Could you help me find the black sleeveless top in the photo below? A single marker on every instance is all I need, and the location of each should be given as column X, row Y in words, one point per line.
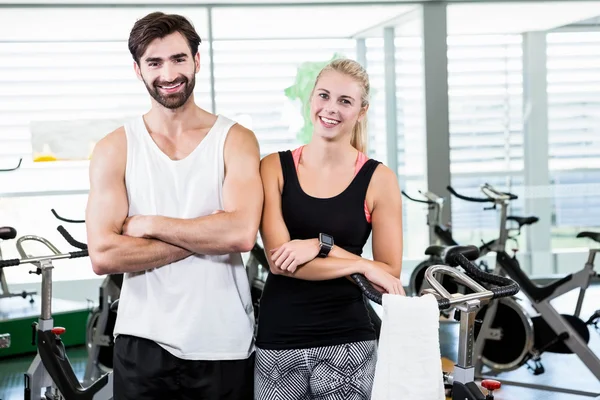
column 296, row 313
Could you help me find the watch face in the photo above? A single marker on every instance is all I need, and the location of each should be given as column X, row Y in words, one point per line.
column 326, row 239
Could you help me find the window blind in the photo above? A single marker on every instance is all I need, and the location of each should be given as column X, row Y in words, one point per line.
column 251, row 78
column 573, row 64
column 485, row 106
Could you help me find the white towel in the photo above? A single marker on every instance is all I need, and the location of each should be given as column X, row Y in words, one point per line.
column 409, row 363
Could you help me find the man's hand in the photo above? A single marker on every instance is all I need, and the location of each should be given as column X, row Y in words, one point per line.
column 138, row 226
column 291, row 255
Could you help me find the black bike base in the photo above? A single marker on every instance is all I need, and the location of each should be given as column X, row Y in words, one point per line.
column 470, row 391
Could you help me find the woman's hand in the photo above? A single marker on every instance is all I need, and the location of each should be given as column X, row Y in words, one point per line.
column 383, row 281
column 290, row 255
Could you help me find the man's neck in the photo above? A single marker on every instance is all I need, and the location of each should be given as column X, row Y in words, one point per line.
column 173, row 122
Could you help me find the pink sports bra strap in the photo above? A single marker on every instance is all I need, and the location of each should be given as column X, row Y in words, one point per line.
column 360, row 161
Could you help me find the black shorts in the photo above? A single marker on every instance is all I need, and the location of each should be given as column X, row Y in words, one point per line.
column 143, row 370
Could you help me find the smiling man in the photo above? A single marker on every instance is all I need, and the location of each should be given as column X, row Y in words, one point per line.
column 175, row 197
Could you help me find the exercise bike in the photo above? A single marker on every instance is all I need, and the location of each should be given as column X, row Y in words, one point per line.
column 461, row 383
column 442, row 235
column 509, row 337
column 51, row 370
column 9, row 233
column 101, row 321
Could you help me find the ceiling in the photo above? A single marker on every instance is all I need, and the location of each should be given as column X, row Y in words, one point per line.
column 501, row 18
column 251, row 22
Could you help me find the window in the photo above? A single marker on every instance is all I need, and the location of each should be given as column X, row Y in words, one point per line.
column 486, row 137
column 410, row 129
column 573, row 63
column 65, row 70
column 251, row 78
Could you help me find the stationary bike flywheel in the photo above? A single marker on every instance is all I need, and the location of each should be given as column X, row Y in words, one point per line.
column 512, row 336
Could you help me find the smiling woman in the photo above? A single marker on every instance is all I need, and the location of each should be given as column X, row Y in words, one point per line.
column 321, row 202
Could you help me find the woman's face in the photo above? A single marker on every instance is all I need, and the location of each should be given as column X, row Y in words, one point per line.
column 335, row 105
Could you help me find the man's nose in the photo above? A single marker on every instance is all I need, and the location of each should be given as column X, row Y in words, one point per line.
column 169, row 73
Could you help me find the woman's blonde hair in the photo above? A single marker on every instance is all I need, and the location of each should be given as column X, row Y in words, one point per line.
column 356, row 71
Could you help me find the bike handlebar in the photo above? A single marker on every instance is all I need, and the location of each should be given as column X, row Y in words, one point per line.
column 492, row 195
column 417, row 200
column 13, row 168
column 467, row 198
column 72, row 221
column 505, row 286
column 57, row 255
column 472, row 278
column 70, row 240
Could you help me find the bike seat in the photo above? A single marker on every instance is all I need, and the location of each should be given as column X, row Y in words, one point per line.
column 114, row 306
column 7, row 232
column 595, row 236
column 447, row 252
column 522, row 221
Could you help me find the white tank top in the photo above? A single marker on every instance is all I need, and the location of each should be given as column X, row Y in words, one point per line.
column 198, row 308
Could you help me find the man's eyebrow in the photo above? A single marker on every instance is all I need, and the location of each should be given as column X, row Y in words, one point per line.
column 159, row 59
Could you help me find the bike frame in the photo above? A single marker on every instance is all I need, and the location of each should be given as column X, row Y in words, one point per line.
column 507, row 265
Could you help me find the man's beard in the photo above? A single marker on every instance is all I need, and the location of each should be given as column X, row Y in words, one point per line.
column 174, row 100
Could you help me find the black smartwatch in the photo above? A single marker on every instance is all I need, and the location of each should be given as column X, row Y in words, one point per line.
column 325, row 244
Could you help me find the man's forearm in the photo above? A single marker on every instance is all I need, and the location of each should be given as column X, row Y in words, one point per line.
column 214, row 234
column 121, row 253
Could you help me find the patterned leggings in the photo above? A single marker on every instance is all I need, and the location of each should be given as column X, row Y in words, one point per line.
column 342, row 372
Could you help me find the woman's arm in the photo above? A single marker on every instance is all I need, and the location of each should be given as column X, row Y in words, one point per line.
column 276, row 237
column 274, row 232
column 386, row 222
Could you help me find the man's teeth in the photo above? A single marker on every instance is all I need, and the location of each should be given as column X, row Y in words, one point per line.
column 170, row 87
column 330, row 121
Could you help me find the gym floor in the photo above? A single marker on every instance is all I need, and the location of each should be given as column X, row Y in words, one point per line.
column 565, row 371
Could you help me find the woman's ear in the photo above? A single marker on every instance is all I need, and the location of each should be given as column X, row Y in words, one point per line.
column 363, row 113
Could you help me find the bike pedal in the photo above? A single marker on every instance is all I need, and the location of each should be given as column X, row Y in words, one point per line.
column 538, row 369
column 594, row 319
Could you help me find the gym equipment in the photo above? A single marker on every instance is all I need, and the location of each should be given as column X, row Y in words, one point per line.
column 4, row 340
column 461, row 383
column 8, row 233
column 13, row 168
column 442, row 235
column 509, row 337
column 101, row 321
column 257, row 269
column 437, row 230
column 51, row 369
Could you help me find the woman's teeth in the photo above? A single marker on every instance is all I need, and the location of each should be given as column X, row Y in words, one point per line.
column 330, row 121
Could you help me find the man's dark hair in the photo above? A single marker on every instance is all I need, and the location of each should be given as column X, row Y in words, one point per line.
column 157, row 25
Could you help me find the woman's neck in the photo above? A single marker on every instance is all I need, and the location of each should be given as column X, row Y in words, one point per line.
column 329, row 154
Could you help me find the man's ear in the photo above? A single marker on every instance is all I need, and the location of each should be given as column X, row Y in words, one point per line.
column 137, row 70
column 197, row 62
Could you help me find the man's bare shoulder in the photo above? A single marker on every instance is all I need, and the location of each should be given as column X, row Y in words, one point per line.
column 241, row 141
column 113, row 144
column 110, row 154
column 240, row 135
